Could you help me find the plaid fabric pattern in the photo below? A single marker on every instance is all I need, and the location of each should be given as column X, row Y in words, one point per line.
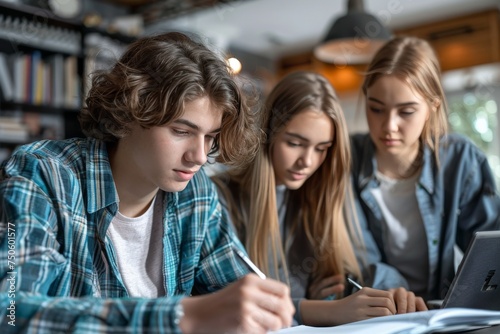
column 58, row 270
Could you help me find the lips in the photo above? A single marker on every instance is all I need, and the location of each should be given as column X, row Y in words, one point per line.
column 297, row 176
column 186, row 171
column 185, row 175
column 389, row 141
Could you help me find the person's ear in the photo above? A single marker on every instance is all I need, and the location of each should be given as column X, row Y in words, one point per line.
column 434, row 107
column 436, row 104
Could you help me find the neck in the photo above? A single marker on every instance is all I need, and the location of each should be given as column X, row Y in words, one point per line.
column 400, row 166
column 135, row 192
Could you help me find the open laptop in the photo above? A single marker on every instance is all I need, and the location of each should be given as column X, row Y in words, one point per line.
column 477, row 281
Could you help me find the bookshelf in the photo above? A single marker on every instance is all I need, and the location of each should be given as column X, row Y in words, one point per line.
column 45, row 66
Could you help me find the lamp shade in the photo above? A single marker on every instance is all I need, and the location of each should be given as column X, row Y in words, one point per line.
column 353, row 38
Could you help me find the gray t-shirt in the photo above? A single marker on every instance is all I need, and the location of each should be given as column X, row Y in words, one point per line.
column 404, row 233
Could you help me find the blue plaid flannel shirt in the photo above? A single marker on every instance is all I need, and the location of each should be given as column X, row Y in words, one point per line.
column 58, row 270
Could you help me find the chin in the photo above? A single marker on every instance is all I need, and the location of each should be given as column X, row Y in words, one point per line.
column 175, row 187
column 294, row 185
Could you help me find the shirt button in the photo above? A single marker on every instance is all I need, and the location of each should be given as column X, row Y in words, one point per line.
column 434, row 242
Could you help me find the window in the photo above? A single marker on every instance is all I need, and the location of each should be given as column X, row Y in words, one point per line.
column 474, row 103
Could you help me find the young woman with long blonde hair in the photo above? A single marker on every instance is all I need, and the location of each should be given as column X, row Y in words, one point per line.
column 288, row 205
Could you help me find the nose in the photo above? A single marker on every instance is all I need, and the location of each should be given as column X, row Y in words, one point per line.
column 197, row 152
column 390, row 123
column 306, row 158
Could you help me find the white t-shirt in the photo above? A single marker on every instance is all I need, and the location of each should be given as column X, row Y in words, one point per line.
column 138, row 245
column 404, row 232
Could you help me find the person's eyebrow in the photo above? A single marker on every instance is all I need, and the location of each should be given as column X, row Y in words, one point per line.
column 194, row 126
column 403, row 104
column 291, row 134
column 375, row 100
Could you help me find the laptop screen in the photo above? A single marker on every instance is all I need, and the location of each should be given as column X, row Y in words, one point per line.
column 477, row 281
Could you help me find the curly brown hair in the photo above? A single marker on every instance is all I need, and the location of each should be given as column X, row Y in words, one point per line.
column 153, row 80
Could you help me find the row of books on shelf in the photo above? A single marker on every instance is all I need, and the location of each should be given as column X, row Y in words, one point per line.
column 12, row 130
column 49, row 81
column 20, row 128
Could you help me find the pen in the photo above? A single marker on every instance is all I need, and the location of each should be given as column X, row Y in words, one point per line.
column 353, row 282
column 250, row 263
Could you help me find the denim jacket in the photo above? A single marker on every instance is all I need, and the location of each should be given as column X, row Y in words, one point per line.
column 455, row 200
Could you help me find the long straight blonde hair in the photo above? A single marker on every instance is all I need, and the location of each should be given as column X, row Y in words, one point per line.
column 320, row 201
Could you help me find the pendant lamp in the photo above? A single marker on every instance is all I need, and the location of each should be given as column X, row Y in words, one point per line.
column 354, row 38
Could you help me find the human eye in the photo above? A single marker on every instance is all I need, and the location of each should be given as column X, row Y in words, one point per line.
column 293, row 144
column 374, row 109
column 407, row 111
column 180, row 132
column 322, row 149
column 211, row 138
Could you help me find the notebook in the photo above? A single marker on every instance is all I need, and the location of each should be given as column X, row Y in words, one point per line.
column 477, row 281
column 442, row 321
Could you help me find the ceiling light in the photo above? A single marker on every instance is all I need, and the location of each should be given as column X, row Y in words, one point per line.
column 235, row 65
column 353, row 38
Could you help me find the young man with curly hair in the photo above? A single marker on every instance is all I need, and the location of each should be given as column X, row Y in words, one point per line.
column 122, row 231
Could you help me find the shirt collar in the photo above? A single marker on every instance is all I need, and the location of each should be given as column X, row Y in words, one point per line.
column 101, row 190
column 368, row 162
column 427, row 175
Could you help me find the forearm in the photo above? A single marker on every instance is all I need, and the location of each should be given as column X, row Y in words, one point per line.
column 319, row 312
column 42, row 314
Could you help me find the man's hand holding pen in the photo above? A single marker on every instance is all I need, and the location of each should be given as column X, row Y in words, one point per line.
column 249, row 305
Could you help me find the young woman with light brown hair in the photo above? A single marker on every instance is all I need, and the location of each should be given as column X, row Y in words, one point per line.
column 420, row 190
column 288, row 205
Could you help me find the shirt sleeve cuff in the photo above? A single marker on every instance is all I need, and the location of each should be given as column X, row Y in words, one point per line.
column 297, row 318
